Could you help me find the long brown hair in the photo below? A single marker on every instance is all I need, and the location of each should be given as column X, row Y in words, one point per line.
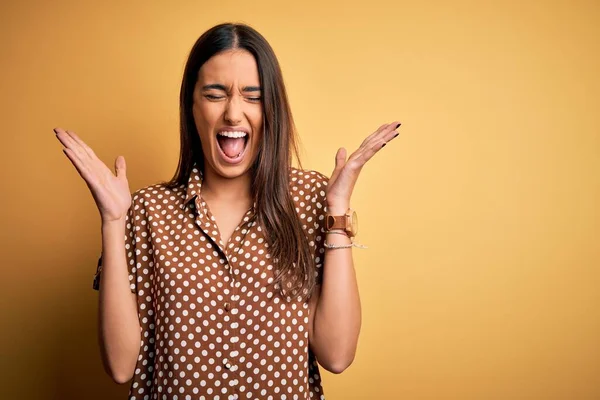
column 276, row 212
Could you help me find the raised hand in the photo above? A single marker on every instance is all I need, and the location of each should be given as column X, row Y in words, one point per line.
column 344, row 176
column 111, row 192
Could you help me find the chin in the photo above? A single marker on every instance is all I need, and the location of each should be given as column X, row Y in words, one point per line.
column 230, row 172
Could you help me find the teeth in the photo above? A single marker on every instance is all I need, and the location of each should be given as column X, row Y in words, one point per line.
column 233, row 134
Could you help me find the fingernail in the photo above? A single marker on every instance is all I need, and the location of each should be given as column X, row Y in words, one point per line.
column 398, row 126
column 383, row 145
column 396, row 134
column 54, row 130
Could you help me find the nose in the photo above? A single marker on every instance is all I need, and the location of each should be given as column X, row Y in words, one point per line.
column 233, row 111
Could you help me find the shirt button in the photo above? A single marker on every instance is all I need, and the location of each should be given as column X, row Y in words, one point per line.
column 227, row 306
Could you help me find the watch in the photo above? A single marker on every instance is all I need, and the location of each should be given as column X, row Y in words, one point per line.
column 347, row 222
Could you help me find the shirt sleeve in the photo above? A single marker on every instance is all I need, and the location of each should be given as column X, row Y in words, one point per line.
column 318, row 208
column 137, row 249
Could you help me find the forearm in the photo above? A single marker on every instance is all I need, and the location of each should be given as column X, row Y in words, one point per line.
column 119, row 328
column 337, row 317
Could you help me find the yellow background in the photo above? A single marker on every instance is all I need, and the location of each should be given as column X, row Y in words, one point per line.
column 482, row 277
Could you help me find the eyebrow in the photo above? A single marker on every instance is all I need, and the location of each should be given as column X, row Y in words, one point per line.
column 218, row 86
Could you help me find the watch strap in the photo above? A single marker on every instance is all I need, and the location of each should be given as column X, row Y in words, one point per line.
column 335, row 222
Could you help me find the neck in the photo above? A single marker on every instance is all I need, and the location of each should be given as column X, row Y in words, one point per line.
column 229, row 190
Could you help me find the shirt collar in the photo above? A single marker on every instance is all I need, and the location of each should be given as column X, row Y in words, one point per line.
column 194, row 186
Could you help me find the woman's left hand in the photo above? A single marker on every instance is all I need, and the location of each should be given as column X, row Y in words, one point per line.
column 345, row 174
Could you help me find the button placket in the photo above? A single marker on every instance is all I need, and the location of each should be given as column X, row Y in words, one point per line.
column 231, row 362
column 208, row 226
column 205, row 221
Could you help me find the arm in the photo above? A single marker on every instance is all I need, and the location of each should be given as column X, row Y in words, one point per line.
column 335, row 309
column 119, row 329
column 118, row 324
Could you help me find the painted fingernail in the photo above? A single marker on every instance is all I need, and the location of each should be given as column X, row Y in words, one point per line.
column 398, row 125
column 396, row 134
column 383, row 145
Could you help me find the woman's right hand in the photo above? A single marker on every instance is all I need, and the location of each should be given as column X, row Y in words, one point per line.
column 111, row 193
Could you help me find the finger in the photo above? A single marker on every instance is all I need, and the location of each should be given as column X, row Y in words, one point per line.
column 65, row 138
column 82, row 147
column 70, row 143
column 369, row 152
column 79, row 166
column 88, row 161
column 87, row 148
column 381, row 142
column 340, row 161
column 381, row 128
column 364, row 154
column 384, row 133
column 121, row 168
column 387, row 134
column 347, row 177
column 361, row 158
column 370, row 138
column 377, row 136
column 392, row 134
column 372, row 144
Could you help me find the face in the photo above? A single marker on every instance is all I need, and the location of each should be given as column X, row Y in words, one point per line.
column 228, row 112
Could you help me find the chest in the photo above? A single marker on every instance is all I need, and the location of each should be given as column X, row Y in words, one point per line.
column 196, row 274
column 220, row 253
column 226, row 218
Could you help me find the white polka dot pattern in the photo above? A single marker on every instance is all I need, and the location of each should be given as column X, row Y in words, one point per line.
column 213, row 324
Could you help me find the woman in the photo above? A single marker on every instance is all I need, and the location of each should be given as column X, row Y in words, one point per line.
column 233, row 280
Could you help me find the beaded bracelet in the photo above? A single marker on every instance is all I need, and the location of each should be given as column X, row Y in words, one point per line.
column 338, row 246
column 343, row 246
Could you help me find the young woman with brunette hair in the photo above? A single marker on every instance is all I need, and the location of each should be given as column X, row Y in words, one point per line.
column 236, row 276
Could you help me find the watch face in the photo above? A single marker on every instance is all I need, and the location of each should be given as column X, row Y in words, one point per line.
column 354, row 223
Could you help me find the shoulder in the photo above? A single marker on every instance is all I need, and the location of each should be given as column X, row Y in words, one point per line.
column 308, row 190
column 308, row 187
column 158, row 194
column 307, row 180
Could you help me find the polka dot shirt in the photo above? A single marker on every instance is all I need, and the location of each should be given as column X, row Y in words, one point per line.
column 213, row 324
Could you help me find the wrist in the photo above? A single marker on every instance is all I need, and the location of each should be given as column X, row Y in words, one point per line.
column 337, row 209
column 113, row 224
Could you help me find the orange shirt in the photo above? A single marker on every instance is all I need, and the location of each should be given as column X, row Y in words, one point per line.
column 213, row 325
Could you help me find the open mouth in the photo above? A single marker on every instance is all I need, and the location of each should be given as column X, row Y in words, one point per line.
column 232, row 145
